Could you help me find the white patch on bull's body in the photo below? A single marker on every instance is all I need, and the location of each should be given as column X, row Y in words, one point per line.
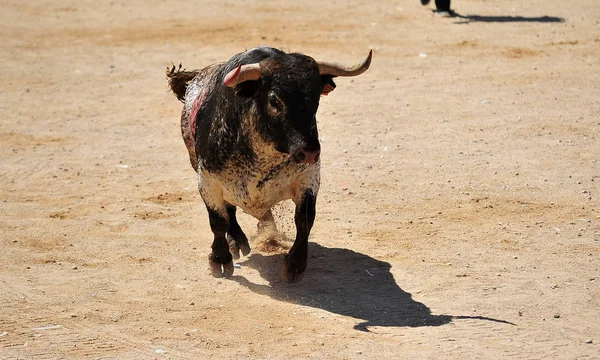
column 250, row 196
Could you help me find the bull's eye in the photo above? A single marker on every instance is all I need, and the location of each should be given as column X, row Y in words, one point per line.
column 275, row 104
column 273, row 101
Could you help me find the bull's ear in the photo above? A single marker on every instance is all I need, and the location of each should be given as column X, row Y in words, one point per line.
column 328, row 84
column 245, row 89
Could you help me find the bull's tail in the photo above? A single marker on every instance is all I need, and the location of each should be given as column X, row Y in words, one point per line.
column 179, row 79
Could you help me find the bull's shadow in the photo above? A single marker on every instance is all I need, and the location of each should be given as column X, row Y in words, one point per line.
column 348, row 283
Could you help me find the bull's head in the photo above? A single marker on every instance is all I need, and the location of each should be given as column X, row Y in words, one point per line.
column 286, row 89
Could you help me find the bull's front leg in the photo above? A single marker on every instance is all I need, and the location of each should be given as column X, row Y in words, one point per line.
column 220, row 259
column 294, row 263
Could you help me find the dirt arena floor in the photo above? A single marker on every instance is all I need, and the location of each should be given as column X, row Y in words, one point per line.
column 458, row 216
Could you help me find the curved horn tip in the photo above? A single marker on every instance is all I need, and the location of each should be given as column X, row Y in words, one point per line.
column 368, row 60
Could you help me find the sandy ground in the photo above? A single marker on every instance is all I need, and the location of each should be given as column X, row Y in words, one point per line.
column 458, row 215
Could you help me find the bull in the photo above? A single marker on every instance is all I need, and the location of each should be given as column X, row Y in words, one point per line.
column 249, row 125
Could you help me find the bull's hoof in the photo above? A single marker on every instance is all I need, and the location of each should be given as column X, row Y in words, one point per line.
column 220, row 267
column 291, row 273
column 221, row 270
column 234, row 248
column 235, row 252
column 245, row 248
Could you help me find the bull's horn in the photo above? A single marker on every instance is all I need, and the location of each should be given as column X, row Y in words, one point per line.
column 335, row 69
column 242, row 73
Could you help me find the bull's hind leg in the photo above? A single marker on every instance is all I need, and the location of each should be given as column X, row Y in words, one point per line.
column 220, row 259
column 266, row 224
column 235, row 236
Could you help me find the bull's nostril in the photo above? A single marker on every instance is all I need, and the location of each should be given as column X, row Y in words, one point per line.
column 306, row 156
column 300, row 156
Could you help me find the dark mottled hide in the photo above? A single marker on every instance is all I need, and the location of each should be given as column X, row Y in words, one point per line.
column 252, row 138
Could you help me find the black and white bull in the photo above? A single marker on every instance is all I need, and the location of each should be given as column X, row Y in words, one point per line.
column 250, row 128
